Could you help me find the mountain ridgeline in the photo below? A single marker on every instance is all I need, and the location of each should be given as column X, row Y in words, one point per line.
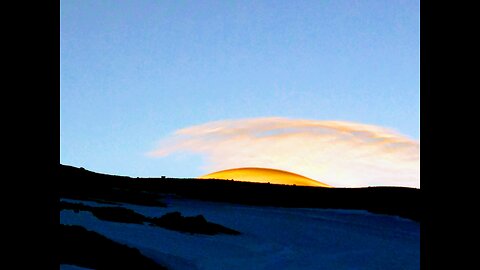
column 78, row 183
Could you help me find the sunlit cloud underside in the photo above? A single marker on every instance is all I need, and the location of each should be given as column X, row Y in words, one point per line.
column 342, row 154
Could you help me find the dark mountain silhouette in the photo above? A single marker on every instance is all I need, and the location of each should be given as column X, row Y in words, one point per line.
column 78, row 183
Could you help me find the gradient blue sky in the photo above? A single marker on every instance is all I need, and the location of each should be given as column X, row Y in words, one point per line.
column 132, row 72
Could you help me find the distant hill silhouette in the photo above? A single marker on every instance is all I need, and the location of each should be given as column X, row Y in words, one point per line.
column 78, row 183
column 83, row 184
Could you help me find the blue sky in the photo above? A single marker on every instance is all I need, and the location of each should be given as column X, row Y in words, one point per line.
column 134, row 72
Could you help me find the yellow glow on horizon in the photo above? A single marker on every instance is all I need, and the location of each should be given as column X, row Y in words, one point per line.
column 264, row 175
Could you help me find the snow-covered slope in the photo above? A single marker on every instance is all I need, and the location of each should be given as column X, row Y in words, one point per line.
column 272, row 238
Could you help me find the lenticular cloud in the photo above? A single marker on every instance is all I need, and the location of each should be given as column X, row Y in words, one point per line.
column 341, row 154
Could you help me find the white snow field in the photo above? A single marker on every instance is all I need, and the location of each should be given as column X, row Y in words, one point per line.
column 271, row 238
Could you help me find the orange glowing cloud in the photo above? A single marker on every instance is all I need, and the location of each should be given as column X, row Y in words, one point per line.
column 343, row 154
column 264, row 175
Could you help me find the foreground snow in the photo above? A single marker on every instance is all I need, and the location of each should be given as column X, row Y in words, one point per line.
column 72, row 267
column 272, row 238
